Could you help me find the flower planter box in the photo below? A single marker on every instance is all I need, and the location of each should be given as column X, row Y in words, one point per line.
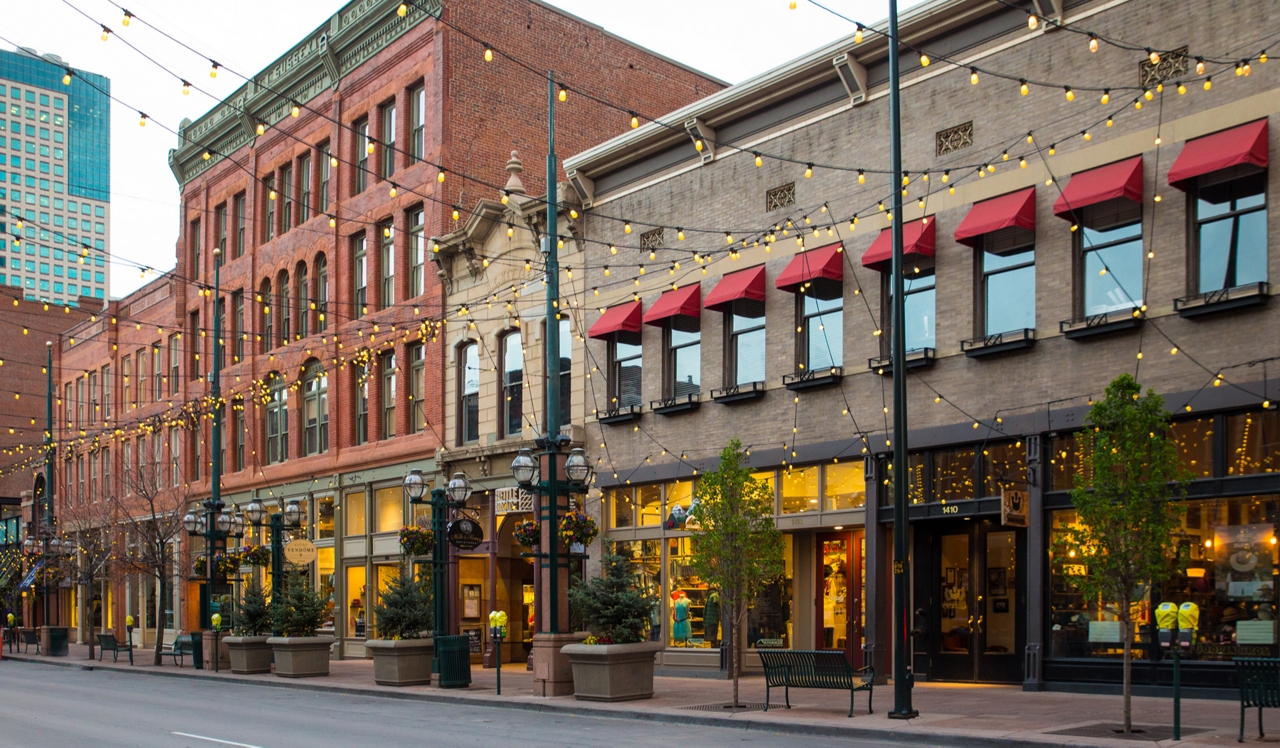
column 301, row 656
column 401, row 662
column 249, row 654
column 612, row 672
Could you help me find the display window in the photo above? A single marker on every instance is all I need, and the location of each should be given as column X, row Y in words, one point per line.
column 690, row 599
column 385, row 575
column 800, row 490
column 679, row 499
column 846, row 486
column 324, row 570
column 769, row 620
column 624, row 513
column 389, row 507
column 324, row 524
column 1225, row 582
column 358, row 602
column 1253, row 442
column 353, row 510
column 649, row 506
column 646, row 560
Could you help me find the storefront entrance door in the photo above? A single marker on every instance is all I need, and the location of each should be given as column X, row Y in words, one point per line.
column 975, row 620
column 839, row 620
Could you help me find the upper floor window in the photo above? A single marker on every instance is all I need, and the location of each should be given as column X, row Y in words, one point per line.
column 269, row 226
column 315, row 409
column 220, row 235
column 918, row 304
column 238, row 333
column 361, row 276
column 512, row 405
column 387, row 363
column 417, row 124
column 821, row 330
column 1230, row 238
column 417, row 387
column 566, row 372
column 745, row 322
column 304, row 191
column 469, row 387
column 282, row 306
column 1008, row 284
column 388, row 264
column 322, row 293
column 684, row 356
column 175, row 357
column 326, row 164
column 388, row 140
column 362, row 404
column 363, row 148
column 268, row 320
column 239, row 203
column 195, row 249
column 157, row 371
column 302, row 308
column 418, row 254
column 277, row 420
column 286, row 186
column 1109, row 243
column 625, row 370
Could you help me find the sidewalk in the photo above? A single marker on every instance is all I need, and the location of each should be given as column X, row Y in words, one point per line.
column 955, row 713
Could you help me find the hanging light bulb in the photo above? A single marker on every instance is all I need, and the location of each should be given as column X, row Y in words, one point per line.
column 333, row 161
column 1093, row 43
column 333, row 222
column 626, row 227
column 213, row 69
column 1199, row 66
column 455, row 214
column 392, row 191
column 1071, row 95
column 295, row 110
column 1181, row 88
column 488, row 54
column 857, row 35
column 106, row 33
column 142, row 122
column 261, row 128
column 66, row 79
column 440, row 177
column 1033, row 22
column 206, row 155
column 1137, row 103
column 563, row 95
column 1022, row 162
column 759, row 160
column 1149, row 94
column 808, row 171
column 1110, row 122
column 697, row 145
column 369, row 146
column 1023, row 88
column 973, row 76
column 862, row 177
column 1086, row 135
column 403, row 10
column 1208, row 83
column 127, row 17
column 1106, row 96
column 1153, row 55
column 635, row 121
column 680, row 234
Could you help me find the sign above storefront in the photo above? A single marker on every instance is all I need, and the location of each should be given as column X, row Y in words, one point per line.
column 1013, row 508
column 464, row 533
column 300, row 552
column 512, row 500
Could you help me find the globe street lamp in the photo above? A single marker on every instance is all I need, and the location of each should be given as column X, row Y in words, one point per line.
column 289, row 519
column 443, row 502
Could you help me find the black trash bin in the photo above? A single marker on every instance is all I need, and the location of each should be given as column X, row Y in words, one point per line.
column 197, row 649
column 57, row 641
column 454, row 653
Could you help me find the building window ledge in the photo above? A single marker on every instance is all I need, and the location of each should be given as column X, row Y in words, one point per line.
column 677, row 404
column 738, row 393
column 620, row 415
column 1101, row 324
column 806, row 380
column 1001, row 342
column 1212, row 302
column 917, row 358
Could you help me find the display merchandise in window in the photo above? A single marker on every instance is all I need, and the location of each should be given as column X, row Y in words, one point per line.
column 646, row 560
column 687, row 606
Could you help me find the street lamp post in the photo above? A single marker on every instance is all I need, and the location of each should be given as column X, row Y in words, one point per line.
column 214, row 524
column 289, row 519
column 443, row 502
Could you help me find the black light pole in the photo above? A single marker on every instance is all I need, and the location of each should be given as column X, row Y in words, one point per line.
column 902, row 677
column 289, row 519
column 50, row 540
column 443, row 501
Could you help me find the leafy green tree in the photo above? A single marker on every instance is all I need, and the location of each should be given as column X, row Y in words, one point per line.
column 403, row 609
column 737, row 548
column 1125, row 518
column 612, row 605
column 300, row 609
column 254, row 615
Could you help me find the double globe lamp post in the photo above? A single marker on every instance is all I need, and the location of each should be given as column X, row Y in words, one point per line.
column 442, row 502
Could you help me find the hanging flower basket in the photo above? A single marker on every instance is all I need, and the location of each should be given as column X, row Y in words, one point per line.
column 417, row 541
column 256, row 555
column 577, row 527
column 224, row 565
column 527, row 533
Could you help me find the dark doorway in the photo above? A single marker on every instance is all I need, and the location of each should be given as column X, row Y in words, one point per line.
column 838, row 608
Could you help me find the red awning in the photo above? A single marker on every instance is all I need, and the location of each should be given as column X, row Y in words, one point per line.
column 1121, row 179
column 742, row 285
column 1246, row 144
column 621, row 318
column 917, row 239
column 823, row 262
column 682, row 302
column 1014, row 209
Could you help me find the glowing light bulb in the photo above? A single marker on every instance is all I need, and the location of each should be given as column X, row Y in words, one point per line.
column 1199, row 66
column 1071, row 95
column 142, row 121
column 333, row 222
column 759, row 160
column 333, row 162
column 857, row 35
column 1208, row 83
column 1093, row 43
column 1033, row 22
column 403, row 10
column 213, row 69
column 66, row 79
column 563, row 95
column 1149, row 95
column 924, row 60
column 206, row 156
column 1154, row 56
column 392, row 191
column 1087, row 136
column 697, row 145
column 1106, row 96
column 626, row 227
column 488, row 55
column 106, row 33
column 1181, row 88
column 440, row 177
column 261, row 128
column 294, row 111
column 808, row 171
column 635, row 122
column 1022, row 87
column 862, row 177
column 973, row 76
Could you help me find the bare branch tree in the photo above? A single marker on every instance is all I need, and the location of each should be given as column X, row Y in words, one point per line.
column 91, row 535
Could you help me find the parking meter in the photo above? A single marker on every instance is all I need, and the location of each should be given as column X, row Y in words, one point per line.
column 498, row 632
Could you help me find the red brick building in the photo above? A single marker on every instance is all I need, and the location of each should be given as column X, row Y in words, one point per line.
column 318, row 183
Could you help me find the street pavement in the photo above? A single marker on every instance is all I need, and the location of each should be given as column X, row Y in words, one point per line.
column 60, row 706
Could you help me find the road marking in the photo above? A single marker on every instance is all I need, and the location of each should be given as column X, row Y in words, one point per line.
column 216, row 740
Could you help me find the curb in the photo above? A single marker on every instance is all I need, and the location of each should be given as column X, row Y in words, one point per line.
column 906, row 737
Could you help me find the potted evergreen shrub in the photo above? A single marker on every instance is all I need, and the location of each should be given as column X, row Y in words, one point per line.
column 615, row 663
column 299, row 612
column 250, row 652
column 403, row 650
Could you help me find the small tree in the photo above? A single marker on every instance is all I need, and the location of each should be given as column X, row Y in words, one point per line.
column 300, row 610
column 1124, row 525
column 254, row 615
column 737, row 548
column 91, row 534
column 612, row 605
column 403, row 609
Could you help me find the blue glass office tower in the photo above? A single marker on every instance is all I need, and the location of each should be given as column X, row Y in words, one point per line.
column 55, row 179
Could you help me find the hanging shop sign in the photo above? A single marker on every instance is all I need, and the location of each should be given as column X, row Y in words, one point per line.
column 1013, row 508
column 464, row 533
column 512, row 500
column 300, row 552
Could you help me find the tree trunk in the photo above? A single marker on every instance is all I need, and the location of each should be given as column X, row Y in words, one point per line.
column 1128, row 665
column 159, row 616
column 93, row 631
column 733, row 652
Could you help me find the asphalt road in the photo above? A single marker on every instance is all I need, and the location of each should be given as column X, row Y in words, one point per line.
column 55, row 706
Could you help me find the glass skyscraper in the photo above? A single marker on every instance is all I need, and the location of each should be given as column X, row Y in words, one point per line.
column 55, row 179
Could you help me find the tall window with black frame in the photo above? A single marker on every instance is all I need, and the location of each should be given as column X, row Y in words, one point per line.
column 512, row 405
column 1230, row 237
column 469, row 388
column 625, row 371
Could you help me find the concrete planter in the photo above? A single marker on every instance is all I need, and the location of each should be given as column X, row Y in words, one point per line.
column 301, row 656
column 249, row 654
column 402, row 662
column 612, row 672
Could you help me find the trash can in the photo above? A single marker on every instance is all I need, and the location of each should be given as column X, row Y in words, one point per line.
column 57, row 641
column 197, row 649
column 454, row 653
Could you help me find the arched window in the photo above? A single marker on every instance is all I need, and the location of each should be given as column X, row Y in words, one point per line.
column 315, row 409
column 302, row 300
column 282, row 306
column 268, row 323
column 512, row 405
column 469, row 387
column 277, row 419
column 322, row 293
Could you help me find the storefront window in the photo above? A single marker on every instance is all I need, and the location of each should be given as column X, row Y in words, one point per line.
column 353, row 509
column 800, row 490
column 1066, row 461
column 1228, row 550
column 359, row 602
column 1003, row 466
column 324, row 570
column 1253, row 444
column 623, row 508
column 646, row 561
column 769, row 620
column 953, row 474
column 385, row 574
column 679, row 494
column 389, row 505
column 846, row 486
column 324, row 518
column 690, row 600
column 649, row 505
column 1194, row 439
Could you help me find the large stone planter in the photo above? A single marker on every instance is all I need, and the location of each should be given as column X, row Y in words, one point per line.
column 249, row 654
column 403, row 662
column 612, row 672
column 301, row 656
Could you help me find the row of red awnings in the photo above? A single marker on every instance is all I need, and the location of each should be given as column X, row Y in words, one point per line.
column 1243, row 145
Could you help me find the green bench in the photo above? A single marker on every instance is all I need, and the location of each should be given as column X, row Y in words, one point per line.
column 182, row 647
column 1259, row 679
column 109, row 643
column 798, row 668
column 29, row 637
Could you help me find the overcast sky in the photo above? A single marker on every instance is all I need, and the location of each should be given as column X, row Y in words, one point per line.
column 729, row 39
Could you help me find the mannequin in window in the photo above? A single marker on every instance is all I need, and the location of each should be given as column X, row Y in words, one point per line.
column 680, row 628
column 711, row 618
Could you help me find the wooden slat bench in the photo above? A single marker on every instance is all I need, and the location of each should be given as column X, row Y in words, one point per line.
column 1259, row 679
column 29, row 637
column 796, row 668
column 182, row 647
column 108, row 643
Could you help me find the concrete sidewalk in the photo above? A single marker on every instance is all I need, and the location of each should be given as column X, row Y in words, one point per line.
column 951, row 714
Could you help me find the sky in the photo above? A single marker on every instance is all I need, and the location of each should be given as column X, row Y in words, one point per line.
column 730, row 39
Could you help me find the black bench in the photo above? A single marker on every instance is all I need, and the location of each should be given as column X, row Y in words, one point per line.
column 796, row 668
column 29, row 637
column 109, row 643
column 1259, row 679
column 182, row 646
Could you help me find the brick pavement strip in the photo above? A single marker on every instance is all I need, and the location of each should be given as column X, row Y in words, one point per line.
column 969, row 713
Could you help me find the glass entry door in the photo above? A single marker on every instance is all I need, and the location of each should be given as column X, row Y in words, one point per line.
column 841, row 581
